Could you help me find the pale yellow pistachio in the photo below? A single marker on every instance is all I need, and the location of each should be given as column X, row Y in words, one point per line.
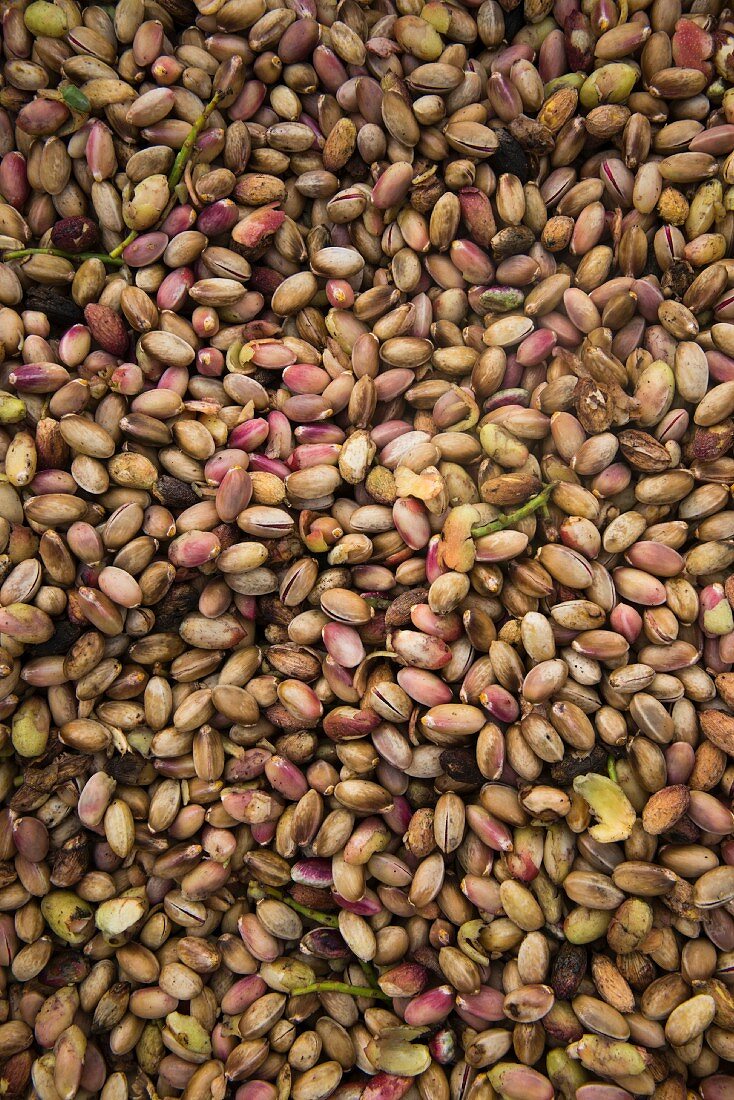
column 609, row 804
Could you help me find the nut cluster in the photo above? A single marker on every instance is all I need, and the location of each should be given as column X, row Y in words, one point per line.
column 366, row 540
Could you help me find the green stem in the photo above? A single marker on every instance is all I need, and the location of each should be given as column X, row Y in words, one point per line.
column 313, row 914
column 120, row 248
column 341, row 987
column 21, row 252
column 179, row 164
column 327, row 919
column 510, row 518
column 369, row 974
column 612, row 769
column 179, row 167
column 187, row 148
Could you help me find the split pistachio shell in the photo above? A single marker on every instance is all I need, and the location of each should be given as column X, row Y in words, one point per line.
column 67, row 916
column 610, row 806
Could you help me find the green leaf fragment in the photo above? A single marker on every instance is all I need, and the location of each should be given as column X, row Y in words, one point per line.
column 75, row 98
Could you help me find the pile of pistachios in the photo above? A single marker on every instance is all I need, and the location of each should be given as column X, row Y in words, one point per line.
column 366, row 550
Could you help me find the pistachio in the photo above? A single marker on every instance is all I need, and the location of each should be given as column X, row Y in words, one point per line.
column 366, row 623
column 609, row 805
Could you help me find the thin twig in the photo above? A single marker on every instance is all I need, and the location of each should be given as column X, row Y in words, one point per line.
column 179, row 164
column 187, row 148
column 341, row 987
column 120, row 248
column 316, row 915
column 21, row 252
column 510, row 518
column 369, row 973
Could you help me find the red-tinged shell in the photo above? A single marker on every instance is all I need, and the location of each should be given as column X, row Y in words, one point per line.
column 386, row 1086
column 476, row 210
column 347, row 724
column 692, row 46
column 265, row 280
column 711, row 443
column 255, row 232
column 259, row 330
column 579, row 43
column 325, row 943
column 14, row 184
column 67, row 968
column 313, row 897
column 42, row 117
column 107, row 328
column 374, row 632
column 15, row 1075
